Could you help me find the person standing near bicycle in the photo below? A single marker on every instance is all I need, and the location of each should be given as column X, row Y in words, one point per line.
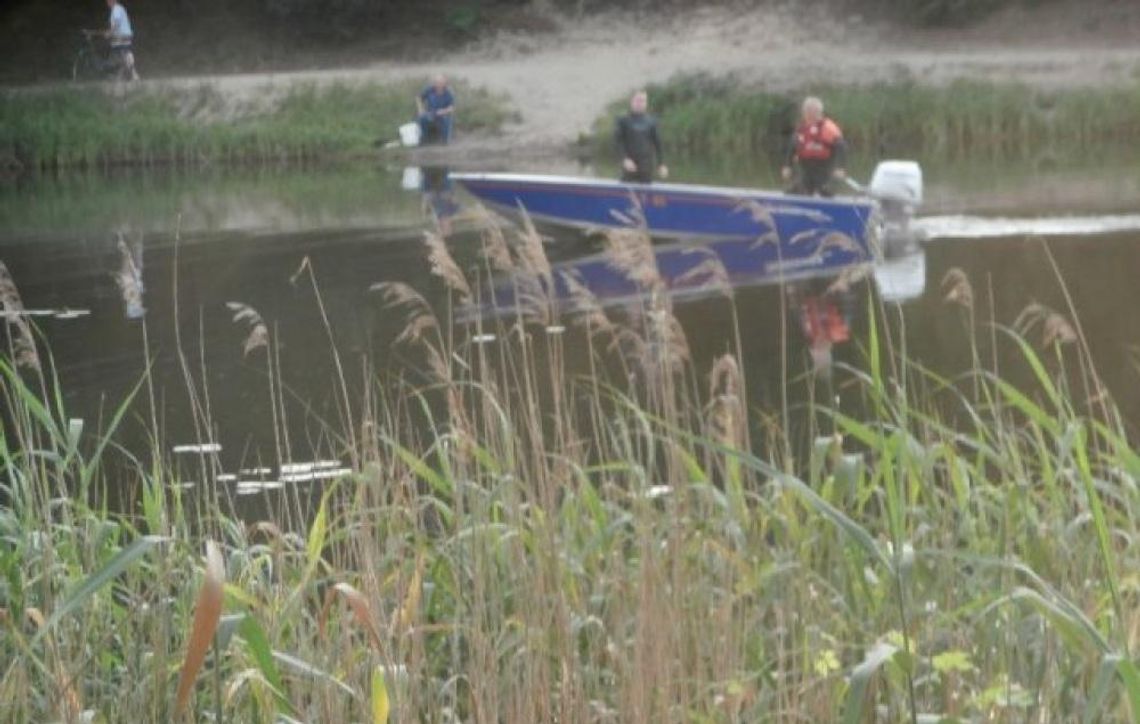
column 120, row 37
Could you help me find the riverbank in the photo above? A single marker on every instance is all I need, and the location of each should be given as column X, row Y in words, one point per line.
column 186, row 124
column 551, row 87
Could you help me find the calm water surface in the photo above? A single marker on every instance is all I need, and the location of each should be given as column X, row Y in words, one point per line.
column 204, row 240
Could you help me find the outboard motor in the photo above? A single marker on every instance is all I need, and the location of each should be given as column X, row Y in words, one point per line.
column 897, row 186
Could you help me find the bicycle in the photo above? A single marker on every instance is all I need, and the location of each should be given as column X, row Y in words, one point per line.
column 95, row 60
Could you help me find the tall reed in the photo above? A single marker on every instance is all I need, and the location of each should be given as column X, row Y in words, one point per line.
column 521, row 541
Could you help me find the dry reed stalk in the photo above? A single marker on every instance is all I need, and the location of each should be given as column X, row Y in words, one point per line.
column 361, row 612
column 726, row 408
column 258, row 332
column 630, row 251
column 709, row 274
column 839, row 241
column 129, row 277
column 207, row 613
column 418, row 323
column 12, row 308
column 848, row 278
column 584, row 306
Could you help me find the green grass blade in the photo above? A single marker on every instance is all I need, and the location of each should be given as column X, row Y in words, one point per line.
column 123, row 560
column 861, row 676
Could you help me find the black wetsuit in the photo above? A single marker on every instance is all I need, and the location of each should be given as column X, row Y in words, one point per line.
column 815, row 174
column 637, row 139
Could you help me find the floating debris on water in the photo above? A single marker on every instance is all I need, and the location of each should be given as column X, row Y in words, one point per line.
column 256, row 471
column 203, row 449
column 292, row 468
column 483, row 338
column 227, row 478
column 321, row 474
column 555, row 329
column 251, row 487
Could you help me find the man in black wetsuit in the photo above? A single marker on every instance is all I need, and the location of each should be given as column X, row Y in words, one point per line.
column 818, row 148
column 639, row 143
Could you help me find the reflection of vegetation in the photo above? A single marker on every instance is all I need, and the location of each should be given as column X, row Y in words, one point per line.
column 94, row 128
column 205, row 200
column 638, row 545
column 702, row 114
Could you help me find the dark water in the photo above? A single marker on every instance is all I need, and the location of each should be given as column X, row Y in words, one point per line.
column 201, row 242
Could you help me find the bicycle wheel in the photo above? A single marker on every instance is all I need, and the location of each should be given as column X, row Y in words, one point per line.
column 81, row 67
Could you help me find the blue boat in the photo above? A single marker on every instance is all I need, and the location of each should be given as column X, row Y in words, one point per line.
column 793, row 228
column 716, row 236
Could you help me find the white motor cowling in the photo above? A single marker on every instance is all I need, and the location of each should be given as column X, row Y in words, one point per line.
column 897, row 186
column 898, row 181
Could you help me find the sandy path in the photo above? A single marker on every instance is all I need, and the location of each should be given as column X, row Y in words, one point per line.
column 562, row 82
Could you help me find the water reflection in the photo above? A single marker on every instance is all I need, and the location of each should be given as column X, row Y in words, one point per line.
column 825, row 310
column 129, row 276
column 439, row 197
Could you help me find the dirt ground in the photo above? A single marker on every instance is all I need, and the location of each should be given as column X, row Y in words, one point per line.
column 561, row 81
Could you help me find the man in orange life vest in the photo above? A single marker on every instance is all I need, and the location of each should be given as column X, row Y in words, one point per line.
column 818, row 148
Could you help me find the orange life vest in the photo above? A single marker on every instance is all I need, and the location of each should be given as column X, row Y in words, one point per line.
column 815, row 141
column 823, row 322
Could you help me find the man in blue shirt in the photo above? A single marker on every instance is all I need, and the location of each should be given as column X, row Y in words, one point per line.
column 436, row 106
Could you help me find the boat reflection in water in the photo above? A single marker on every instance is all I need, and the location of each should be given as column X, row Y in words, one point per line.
column 633, row 274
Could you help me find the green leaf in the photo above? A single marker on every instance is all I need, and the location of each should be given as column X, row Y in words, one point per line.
column 880, row 654
column 955, row 660
column 379, row 697
column 123, row 560
column 257, row 644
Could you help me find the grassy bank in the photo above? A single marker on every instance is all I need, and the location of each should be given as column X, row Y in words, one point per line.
column 519, row 543
column 707, row 115
column 94, row 127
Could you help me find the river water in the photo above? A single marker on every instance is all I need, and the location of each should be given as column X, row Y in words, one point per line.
column 199, row 244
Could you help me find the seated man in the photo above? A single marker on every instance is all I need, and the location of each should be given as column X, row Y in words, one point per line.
column 436, row 106
column 818, row 148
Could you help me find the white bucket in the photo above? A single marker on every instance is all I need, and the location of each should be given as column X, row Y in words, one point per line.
column 412, row 179
column 410, row 134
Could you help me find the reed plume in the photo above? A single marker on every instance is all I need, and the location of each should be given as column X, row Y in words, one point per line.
column 443, row 266
column 1055, row 328
column 258, row 331
column 23, row 341
column 956, row 288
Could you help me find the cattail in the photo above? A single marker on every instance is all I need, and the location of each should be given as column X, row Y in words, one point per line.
column 258, row 331
column 957, row 288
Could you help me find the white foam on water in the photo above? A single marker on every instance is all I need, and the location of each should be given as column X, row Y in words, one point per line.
column 980, row 227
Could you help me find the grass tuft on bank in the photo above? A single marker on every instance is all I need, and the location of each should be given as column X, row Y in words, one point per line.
column 95, row 127
column 707, row 115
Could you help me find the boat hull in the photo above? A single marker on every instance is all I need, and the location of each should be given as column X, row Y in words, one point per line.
column 797, row 224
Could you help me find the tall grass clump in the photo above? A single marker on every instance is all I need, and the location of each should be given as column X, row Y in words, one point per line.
column 701, row 114
column 92, row 127
column 551, row 515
